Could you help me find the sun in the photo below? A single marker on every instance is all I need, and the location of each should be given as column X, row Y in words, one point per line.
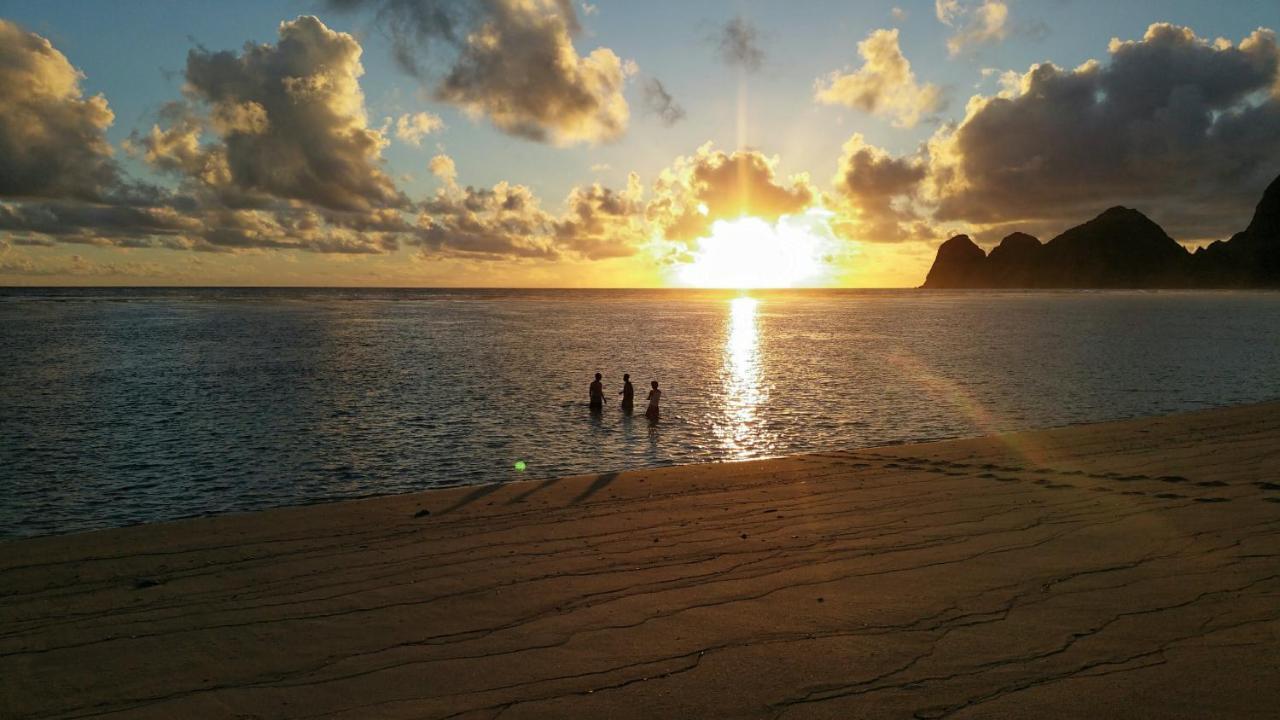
column 749, row 252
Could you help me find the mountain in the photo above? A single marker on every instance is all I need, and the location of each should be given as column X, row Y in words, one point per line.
column 1121, row 248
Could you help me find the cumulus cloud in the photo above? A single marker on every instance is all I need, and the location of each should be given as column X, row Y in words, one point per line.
column 507, row 220
column 514, row 62
column 974, row 23
column 879, row 194
column 884, row 85
column 412, row 127
column 443, row 167
column 738, row 43
column 711, row 185
column 659, row 102
column 1182, row 127
column 52, row 138
column 291, row 118
column 603, row 223
column 270, row 149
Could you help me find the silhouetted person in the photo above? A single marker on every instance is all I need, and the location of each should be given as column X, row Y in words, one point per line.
column 628, row 394
column 597, row 395
column 654, row 395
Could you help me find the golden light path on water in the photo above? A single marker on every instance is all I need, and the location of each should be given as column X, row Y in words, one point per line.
column 743, row 388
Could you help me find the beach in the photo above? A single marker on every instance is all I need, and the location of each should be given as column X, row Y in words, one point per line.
column 1129, row 568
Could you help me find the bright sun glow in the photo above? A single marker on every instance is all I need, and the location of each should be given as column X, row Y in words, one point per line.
column 751, row 253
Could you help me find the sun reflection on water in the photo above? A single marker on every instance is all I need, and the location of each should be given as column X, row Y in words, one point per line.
column 743, row 389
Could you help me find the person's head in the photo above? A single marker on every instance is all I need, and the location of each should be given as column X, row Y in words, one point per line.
column 598, row 376
column 626, row 377
column 654, row 384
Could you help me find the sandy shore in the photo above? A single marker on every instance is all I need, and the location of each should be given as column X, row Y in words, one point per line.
column 1125, row 569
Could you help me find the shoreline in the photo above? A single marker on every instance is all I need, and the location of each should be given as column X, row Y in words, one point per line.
column 375, row 496
column 1126, row 566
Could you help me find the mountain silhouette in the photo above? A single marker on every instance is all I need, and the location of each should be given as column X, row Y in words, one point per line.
column 1121, row 248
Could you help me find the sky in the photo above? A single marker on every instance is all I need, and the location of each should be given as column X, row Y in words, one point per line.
column 573, row 144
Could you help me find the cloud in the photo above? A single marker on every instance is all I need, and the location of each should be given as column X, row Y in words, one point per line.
column 738, row 43
column 659, row 102
column 443, row 167
column 898, row 14
column 291, row 120
column 411, row 128
column 19, row 265
column 603, row 223
column 507, row 221
column 884, row 85
column 1186, row 129
column 974, row 23
column 712, row 185
column 879, row 193
column 52, row 138
column 514, row 62
column 270, row 149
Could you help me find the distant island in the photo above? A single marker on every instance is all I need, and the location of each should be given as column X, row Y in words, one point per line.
column 1121, row 248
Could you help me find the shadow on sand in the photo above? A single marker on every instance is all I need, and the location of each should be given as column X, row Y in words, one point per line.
column 601, row 482
column 536, row 488
column 473, row 496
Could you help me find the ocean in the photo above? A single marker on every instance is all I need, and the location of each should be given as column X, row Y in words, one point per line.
column 122, row 406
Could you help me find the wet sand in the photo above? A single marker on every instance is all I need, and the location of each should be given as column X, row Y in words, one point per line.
column 1125, row 569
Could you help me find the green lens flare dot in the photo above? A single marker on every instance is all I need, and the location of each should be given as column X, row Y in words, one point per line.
column 520, row 465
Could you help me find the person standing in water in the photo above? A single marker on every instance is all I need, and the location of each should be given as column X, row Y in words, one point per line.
column 654, row 395
column 597, row 395
column 628, row 394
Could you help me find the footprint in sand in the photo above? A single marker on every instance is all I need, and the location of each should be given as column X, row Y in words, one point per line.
column 1212, row 499
column 1172, row 479
column 1211, row 483
column 1170, row 496
column 1268, row 485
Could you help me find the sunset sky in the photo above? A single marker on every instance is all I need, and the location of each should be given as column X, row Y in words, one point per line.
column 546, row 143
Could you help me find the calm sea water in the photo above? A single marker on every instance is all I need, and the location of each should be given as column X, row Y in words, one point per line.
column 126, row 406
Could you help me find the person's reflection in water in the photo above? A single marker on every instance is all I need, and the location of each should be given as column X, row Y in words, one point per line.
column 654, row 395
column 597, row 395
column 628, row 394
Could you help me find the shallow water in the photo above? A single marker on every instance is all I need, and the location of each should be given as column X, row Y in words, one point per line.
column 126, row 406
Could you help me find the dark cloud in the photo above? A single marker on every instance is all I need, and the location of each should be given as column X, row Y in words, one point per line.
column 512, row 61
column 1186, row 129
column 291, row 121
column 52, row 139
column 659, row 102
column 273, row 150
column 270, row 150
column 738, row 43
column 880, row 192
